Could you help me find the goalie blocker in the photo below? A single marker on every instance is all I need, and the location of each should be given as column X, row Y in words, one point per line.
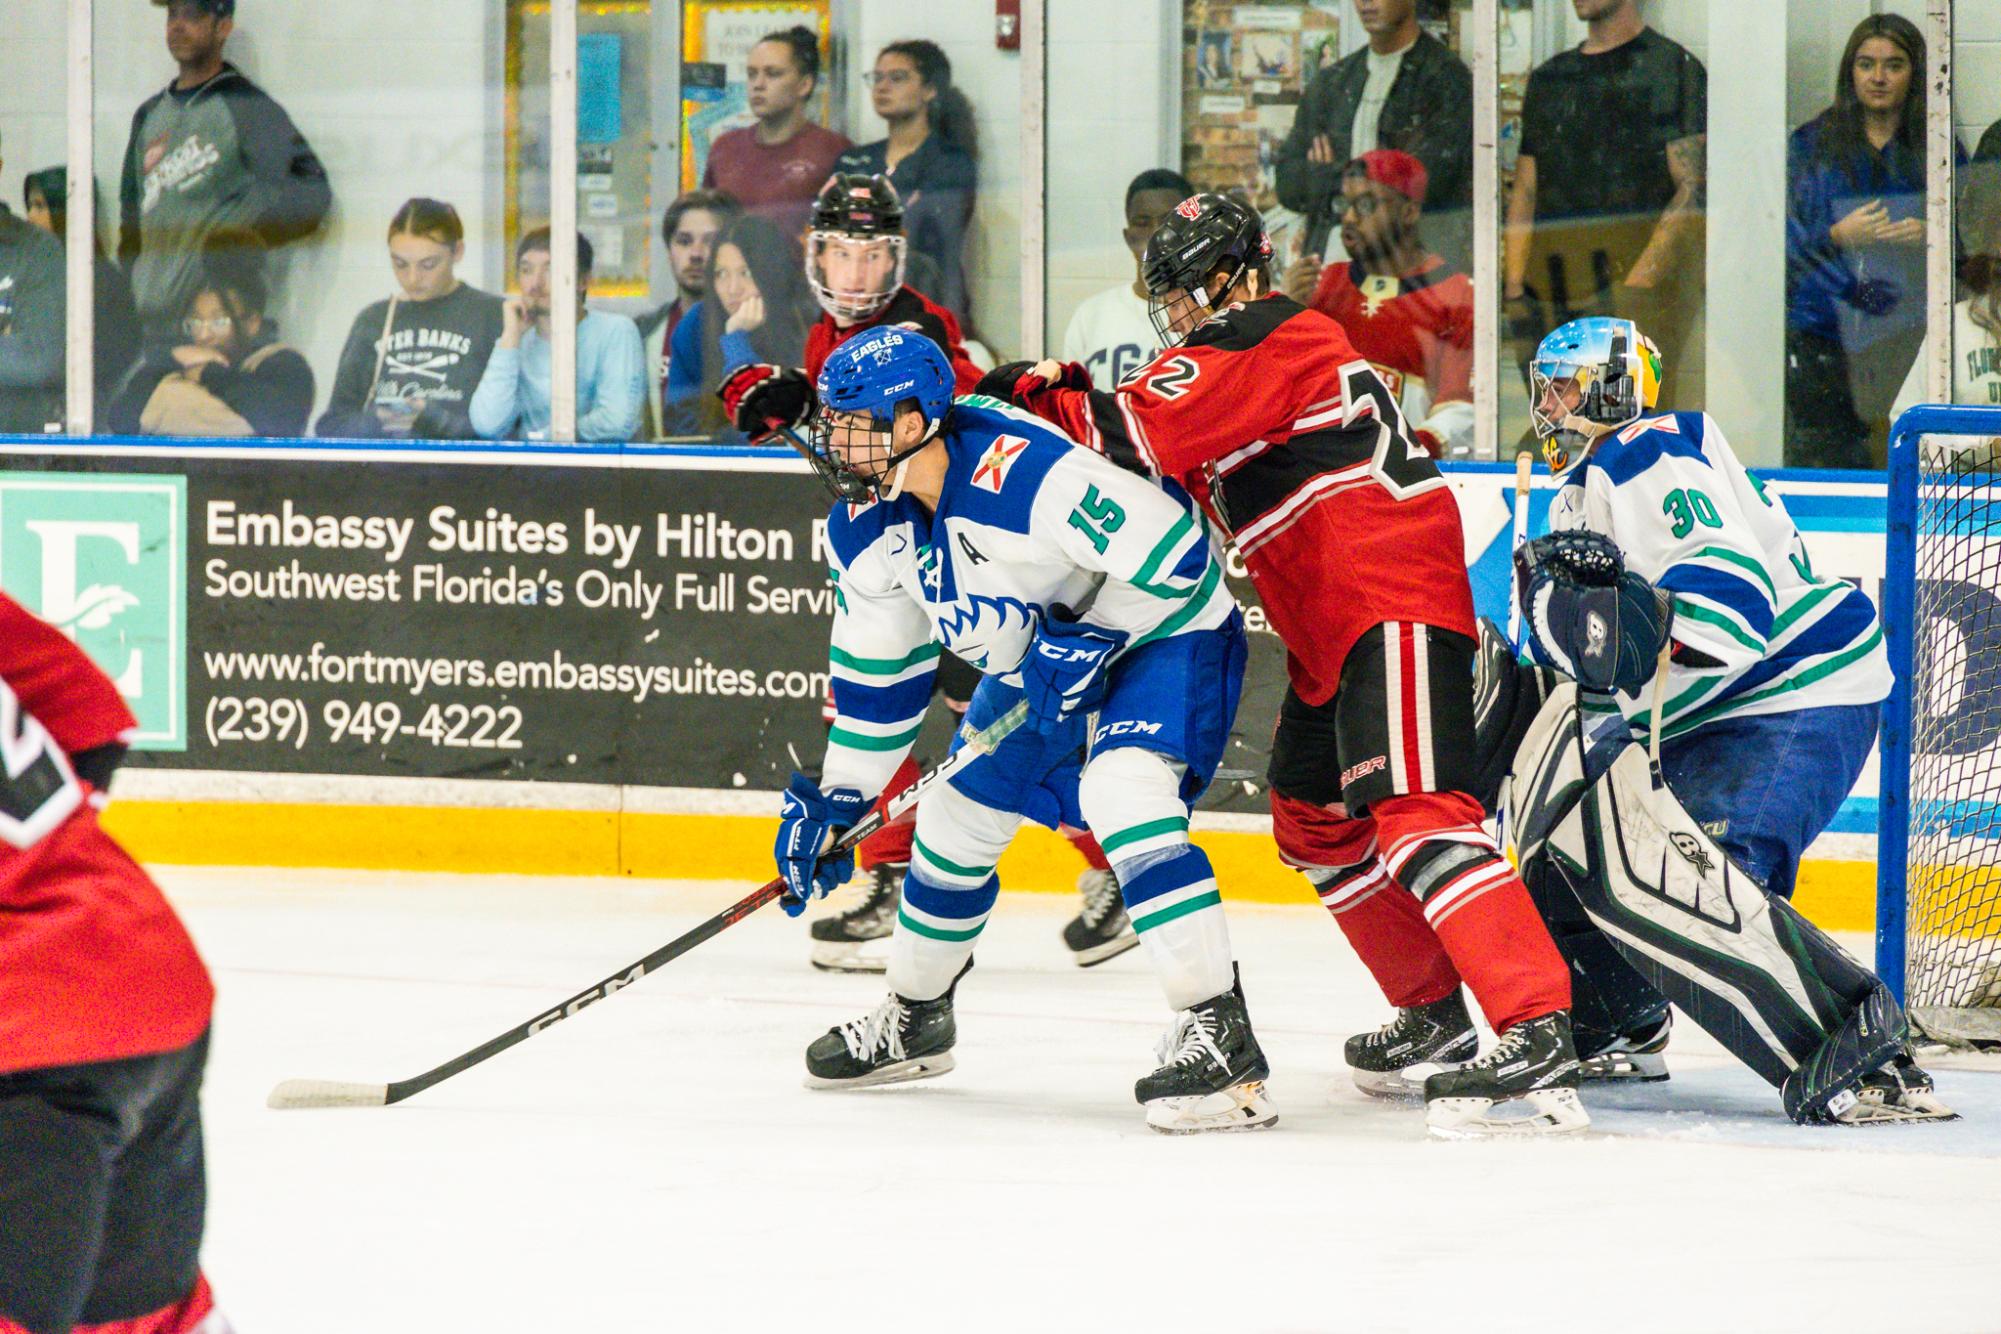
column 1644, row 904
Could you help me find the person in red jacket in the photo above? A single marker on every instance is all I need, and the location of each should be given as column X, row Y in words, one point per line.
column 104, row 1015
column 856, row 257
column 1286, row 435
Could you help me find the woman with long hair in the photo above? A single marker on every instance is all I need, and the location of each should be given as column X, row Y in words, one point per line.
column 756, row 310
column 412, row 362
column 45, row 195
column 930, row 155
column 1855, row 250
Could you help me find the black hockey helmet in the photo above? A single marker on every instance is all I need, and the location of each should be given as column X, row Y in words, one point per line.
column 1204, row 234
column 858, row 205
column 859, row 219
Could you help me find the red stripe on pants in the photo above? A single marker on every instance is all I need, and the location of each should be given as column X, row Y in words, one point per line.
column 1414, row 690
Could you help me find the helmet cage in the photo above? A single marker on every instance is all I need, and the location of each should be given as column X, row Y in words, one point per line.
column 863, row 467
column 853, row 304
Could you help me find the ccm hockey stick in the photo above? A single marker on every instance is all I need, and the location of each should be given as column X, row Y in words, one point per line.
column 333, row 1093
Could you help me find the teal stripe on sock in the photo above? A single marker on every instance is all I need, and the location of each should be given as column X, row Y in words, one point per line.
column 1212, row 899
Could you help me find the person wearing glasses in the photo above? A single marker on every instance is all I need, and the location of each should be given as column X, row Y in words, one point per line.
column 228, row 375
column 930, row 156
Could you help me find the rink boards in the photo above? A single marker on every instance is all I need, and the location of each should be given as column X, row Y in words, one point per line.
column 561, row 661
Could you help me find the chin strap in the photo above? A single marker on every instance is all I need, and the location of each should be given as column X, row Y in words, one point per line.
column 895, row 487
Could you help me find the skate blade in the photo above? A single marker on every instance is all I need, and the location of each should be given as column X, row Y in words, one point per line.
column 1553, row 1112
column 1632, row 1067
column 901, row 1072
column 1111, row 949
column 851, row 956
column 1239, row 1107
column 1405, row 1085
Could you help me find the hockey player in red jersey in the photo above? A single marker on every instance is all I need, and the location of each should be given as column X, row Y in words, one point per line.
column 104, row 1013
column 1268, row 416
column 856, row 256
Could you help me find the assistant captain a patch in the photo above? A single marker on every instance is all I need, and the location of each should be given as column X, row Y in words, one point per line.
column 992, row 472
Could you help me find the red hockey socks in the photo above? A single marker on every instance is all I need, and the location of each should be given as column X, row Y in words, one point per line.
column 890, row 845
column 1087, row 847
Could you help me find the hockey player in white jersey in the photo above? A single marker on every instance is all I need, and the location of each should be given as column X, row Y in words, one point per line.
column 981, row 528
column 1676, row 593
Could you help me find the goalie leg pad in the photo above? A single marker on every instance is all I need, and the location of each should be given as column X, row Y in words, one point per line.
column 1822, row 1088
column 1746, row 968
column 1607, row 998
column 1507, row 695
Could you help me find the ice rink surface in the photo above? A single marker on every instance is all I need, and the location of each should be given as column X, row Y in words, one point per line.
column 655, row 1164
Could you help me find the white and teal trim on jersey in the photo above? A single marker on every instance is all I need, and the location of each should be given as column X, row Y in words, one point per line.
column 1027, row 521
column 1690, row 519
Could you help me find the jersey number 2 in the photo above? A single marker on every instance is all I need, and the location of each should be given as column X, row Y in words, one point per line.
column 38, row 791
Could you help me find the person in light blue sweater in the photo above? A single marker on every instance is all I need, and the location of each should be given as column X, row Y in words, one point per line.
column 512, row 401
column 757, row 309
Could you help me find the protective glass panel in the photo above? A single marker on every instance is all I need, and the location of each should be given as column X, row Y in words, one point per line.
column 33, row 285
column 1976, row 114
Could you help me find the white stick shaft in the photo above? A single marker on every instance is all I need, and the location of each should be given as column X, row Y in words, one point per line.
column 1524, row 466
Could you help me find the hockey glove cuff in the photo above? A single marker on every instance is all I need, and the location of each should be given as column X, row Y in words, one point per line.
column 809, row 822
column 1587, row 615
column 762, row 400
column 1065, row 672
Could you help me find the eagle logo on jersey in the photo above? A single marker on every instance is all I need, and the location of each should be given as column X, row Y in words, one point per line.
column 992, row 472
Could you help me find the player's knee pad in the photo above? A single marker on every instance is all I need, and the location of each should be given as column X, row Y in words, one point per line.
column 959, row 840
column 1434, row 847
column 1313, row 837
column 1344, row 888
column 1131, row 798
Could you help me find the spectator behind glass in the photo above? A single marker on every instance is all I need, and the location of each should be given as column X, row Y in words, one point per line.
column 229, row 375
column 1976, row 323
column 690, row 228
column 33, row 287
column 1855, row 250
column 757, row 310
column 210, row 155
column 412, row 362
column 512, row 401
column 1405, row 91
column 930, row 157
column 115, row 324
column 775, row 167
column 1606, row 213
column 1110, row 335
column 1407, row 310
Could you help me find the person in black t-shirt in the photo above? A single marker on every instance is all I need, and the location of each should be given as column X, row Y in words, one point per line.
column 1606, row 213
column 412, row 362
column 930, row 157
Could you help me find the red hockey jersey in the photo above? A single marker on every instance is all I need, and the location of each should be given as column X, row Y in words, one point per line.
column 94, row 965
column 1418, row 330
column 1289, row 439
column 908, row 307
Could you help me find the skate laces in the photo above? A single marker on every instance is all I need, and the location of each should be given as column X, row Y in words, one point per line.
column 881, row 1027
column 881, row 893
column 1192, row 1037
column 1101, row 895
column 1510, row 1046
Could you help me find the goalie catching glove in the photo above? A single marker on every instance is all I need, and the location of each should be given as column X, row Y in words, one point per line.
column 809, row 822
column 1587, row 615
column 762, row 400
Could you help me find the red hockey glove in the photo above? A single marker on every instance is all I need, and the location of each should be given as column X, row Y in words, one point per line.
column 762, row 400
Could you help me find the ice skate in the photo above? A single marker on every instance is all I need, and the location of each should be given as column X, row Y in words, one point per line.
column 1534, row 1064
column 898, row 1041
column 1638, row 1056
column 1212, row 1073
column 1898, row 1094
column 1101, row 930
column 1395, row 1060
column 857, row 940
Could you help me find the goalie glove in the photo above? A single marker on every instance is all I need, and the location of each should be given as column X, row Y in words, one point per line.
column 762, row 400
column 1587, row 615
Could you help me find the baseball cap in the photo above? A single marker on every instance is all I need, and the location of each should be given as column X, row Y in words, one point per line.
column 1395, row 169
column 221, row 9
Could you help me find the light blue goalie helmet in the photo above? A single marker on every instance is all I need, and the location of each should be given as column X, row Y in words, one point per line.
column 1591, row 375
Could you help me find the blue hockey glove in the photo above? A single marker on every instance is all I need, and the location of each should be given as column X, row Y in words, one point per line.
column 809, row 821
column 1064, row 671
column 1587, row 615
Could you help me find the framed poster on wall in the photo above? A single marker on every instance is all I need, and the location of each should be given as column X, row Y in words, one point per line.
column 716, row 37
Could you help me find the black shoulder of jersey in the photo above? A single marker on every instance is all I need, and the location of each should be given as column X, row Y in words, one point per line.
column 910, row 307
column 1244, row 328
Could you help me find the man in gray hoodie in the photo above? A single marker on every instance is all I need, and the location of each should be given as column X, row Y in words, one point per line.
column 210, row 154
column 32, row 287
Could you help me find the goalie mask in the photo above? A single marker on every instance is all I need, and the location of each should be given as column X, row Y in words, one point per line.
column 1590, row 377
column 855, row 251
column 853, row 439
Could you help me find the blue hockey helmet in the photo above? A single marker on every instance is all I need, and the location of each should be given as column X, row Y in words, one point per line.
column 1591, row 376
column 864, row 382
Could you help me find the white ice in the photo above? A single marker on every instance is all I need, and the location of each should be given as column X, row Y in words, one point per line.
column 655, row 1163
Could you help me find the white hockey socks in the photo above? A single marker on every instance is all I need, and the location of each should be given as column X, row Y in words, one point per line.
column 949, row 891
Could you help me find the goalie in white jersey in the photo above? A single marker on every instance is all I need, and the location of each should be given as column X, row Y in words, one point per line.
column 979, row 527
column 1676, row 592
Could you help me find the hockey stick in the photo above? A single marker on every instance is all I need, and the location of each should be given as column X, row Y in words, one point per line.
column 1524, row 469
column 334, row 1093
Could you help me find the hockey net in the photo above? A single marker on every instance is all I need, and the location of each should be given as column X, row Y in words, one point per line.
column 1940, row 850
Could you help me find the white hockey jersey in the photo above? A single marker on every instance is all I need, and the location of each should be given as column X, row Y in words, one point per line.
column 1111, row 337
column 1027, row 520
column 1691, row 520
